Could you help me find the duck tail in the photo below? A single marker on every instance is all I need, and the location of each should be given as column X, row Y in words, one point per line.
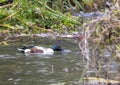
column 21, row 50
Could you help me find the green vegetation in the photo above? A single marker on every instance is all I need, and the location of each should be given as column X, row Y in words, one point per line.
column 33, row 17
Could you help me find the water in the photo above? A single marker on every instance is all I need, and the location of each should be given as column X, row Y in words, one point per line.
column 19, row 69
column 58, row 69
column 38, row 70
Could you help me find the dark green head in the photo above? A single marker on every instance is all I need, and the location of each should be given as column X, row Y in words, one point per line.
column 57, row 48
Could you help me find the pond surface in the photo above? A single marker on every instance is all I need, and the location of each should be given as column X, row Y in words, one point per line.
column 58, row 69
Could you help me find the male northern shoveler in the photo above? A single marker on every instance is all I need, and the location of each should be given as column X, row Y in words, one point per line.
column 41, row 50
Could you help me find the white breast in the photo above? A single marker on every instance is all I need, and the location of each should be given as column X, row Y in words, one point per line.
column 27, row 50
column 48, row 51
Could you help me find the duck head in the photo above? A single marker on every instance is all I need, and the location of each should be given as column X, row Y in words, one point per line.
column 57, row 48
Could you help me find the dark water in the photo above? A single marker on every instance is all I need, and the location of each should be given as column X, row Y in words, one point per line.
column 58, row 69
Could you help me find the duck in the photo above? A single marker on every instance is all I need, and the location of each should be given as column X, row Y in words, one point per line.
column 40, row 49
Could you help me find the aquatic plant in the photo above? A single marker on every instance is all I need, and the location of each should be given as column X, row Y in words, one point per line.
column 101, row 39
